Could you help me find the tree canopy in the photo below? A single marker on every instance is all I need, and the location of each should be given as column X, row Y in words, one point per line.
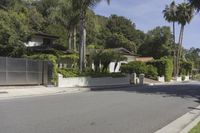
column 57, row 17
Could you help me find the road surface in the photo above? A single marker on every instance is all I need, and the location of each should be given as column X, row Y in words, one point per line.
column 121, row 110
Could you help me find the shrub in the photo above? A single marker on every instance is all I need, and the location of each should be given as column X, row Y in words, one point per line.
column 134, row 67
column 151, row 72
column 164, row 67
column 186, row 68
column 68, row 72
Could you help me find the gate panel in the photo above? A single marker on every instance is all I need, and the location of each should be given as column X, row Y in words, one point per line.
column 18, row 71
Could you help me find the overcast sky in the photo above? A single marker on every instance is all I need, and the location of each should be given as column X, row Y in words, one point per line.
column 147, row 14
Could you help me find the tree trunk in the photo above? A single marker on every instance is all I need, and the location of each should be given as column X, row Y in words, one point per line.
column 70, row 40
column 175, row 51
column 75, row 48
column 179, row 48
column 82, row 50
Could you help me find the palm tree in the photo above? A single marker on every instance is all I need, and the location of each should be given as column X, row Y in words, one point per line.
column 82, row 6
column 170, row 14
column 63, row 14
column 185, row 14
column 195, row 3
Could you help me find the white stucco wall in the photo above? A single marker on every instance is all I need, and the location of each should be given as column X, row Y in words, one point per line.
column 130, row 58
column 112, row 66
column 35, row 41
column 88, row 81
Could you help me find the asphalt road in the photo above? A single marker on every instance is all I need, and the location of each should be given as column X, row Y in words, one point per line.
column 127, row 110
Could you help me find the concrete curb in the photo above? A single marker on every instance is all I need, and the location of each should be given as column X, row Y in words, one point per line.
column 62, row 91
column 191, row 125
column 45, row 94
column 183, row 124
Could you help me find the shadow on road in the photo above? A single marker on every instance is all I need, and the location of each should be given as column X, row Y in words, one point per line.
column 183, row 91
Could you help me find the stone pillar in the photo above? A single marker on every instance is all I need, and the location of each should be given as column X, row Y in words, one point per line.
column 141, row 78
column 60, row 77
column 134, row 78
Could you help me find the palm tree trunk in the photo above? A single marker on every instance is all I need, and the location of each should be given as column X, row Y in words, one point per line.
column 82, row 50
column 179, row 48
column 174, row 39
column 75, row 48
column 174, row 33
column 70, row 40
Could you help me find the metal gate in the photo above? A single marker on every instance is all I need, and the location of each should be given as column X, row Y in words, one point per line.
column 19, row 71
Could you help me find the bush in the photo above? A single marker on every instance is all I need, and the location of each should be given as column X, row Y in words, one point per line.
column 68, row 72
column 186, row 68
column 151, row 72
column 139, row 68
column 75, row 73
column 134, row 67
column 164, row 67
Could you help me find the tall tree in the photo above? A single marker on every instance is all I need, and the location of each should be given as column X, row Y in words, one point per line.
column 193, row 55
column 158, row 43
column 170, row 14
column 82, row 6
column 185, row 14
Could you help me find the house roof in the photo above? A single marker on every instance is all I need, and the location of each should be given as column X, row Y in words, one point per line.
column 124, row 51
column 120, row 50
column 144, row 59
column 45, row 35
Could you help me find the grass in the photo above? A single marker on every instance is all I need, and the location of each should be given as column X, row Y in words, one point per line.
column 196, row 129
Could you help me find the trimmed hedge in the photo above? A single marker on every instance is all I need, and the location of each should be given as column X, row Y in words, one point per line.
column 164, row 67
column 161, row 67
column 186, row 68
column 139, row 68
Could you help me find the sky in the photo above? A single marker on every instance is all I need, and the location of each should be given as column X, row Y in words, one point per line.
column 147, row 14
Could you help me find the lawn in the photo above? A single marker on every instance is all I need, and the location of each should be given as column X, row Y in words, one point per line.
column 196, row 129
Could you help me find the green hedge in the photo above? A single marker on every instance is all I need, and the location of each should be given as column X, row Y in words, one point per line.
column 75, row 73
column 68, row 72
column 139, row 68
column 161, row 67
column 134, row 67
column 164, row 67
column 186, row 68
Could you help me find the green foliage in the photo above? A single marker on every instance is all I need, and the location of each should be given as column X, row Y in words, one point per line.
column 151, row 72
column 193, row 55
column 105, row 57
column 158, row 43
column 75, row 73
column 196, row 129
column 134, row 67
column 118, row 40
column 68, row 72
column 140, row 68
column 164, row 67
column 186, row 68
column 71, row 59
column 52, row 59
column 13, row 32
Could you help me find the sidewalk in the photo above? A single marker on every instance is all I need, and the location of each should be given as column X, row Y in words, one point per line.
column 9, row 92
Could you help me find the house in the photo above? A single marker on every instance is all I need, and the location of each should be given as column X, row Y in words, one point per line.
column 40, row 39
column 130, row 56
column 113, row 67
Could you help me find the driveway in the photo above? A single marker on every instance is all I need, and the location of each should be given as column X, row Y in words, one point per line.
column 120, row 110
